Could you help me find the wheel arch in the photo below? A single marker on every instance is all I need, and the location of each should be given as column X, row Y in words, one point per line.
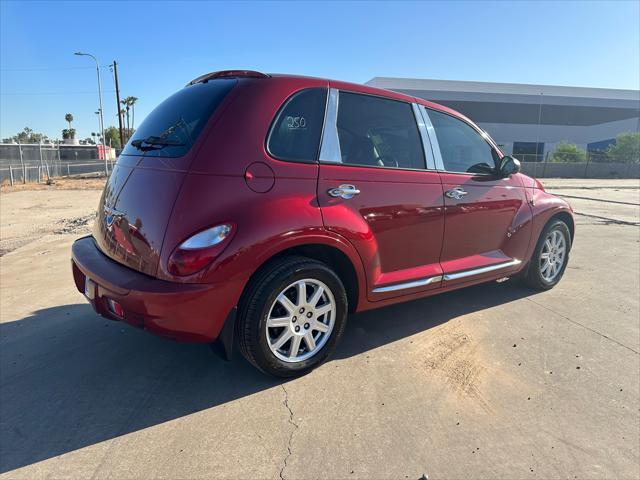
column 330, row 255
column 565, row 217
column 548, row 210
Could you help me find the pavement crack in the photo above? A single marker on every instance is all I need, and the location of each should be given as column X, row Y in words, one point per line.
column 584, row 326
column 293, row 430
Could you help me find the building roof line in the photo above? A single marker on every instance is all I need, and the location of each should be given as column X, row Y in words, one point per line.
column 393, row 83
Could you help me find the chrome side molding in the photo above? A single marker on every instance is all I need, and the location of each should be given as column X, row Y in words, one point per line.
column 478, row 271
column 401, row 286
column 447, row 277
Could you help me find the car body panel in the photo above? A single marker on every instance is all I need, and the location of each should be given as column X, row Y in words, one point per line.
column 130, row 224
column 492, row 221
column 396, row 223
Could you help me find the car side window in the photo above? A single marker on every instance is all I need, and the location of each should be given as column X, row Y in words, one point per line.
column 462, row 148
column 378, row 132
column 295, row 133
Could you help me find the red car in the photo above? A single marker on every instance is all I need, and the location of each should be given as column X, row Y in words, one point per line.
column 262, row 209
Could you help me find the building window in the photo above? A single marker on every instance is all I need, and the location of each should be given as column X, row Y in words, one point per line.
column 528, row 151
column 601, row 146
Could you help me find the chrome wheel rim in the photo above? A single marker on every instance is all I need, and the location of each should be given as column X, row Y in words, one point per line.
column 552, row 257
column 300, row 320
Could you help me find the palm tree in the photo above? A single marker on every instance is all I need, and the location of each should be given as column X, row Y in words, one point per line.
column 125, row 103
column 132, row 102
column 69, row 118
column 128, row 104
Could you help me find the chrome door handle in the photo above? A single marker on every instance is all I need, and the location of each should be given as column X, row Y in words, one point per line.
column 456, row 193
column 344, row 191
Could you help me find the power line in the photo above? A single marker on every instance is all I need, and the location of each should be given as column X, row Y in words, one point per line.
column 33, row 69
column 53, row 93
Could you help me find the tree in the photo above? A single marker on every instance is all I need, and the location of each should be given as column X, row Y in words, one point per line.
column 128, row 104
column 69, row 118
column 125, row 111
column 112, row 136
column 626, row 149
column 26, row 136
column 68, row 133
column 89, row 141
column 567, row 152
column 132, row 102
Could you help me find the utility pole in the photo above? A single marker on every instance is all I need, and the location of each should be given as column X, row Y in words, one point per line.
column 115, row 74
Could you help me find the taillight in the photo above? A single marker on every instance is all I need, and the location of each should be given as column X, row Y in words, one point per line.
column 200, row 250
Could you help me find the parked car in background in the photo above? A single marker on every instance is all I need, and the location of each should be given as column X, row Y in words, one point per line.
column 262, row 209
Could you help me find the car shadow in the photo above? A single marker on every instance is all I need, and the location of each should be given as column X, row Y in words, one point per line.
column 69, row 379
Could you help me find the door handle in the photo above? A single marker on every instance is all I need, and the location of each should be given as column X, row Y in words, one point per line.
column 344, row 191
column 456, row 193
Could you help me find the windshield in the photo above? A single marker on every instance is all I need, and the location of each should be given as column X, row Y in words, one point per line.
column 173, row 126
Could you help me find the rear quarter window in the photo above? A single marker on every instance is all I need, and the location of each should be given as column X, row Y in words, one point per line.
column 179, row 119
column 297, row 128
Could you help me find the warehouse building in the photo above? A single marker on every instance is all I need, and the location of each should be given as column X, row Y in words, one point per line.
column 529, row 121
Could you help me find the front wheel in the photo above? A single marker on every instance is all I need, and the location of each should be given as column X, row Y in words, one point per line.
column 550, row 257
column 292, row 317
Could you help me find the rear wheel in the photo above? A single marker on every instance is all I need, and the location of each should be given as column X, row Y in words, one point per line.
column 550, row 257
column 292, row 317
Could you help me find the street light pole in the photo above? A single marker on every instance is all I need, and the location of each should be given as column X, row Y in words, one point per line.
column 104, row 149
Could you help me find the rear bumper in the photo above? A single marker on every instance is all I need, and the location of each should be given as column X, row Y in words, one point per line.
column 184, row 312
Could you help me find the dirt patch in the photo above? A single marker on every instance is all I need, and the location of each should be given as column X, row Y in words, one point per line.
column 26, row 216
column 75, row 225
column 80, row 182
column 453, row 358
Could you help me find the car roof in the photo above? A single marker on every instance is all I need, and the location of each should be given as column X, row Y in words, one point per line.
column 254, row 76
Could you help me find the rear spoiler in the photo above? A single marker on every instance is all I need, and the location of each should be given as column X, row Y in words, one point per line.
column 227, row 74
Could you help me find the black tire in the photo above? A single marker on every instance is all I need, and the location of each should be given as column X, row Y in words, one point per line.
column 256, row 304
column 533, row 276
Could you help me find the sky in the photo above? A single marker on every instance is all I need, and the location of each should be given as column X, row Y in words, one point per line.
column 162, row 45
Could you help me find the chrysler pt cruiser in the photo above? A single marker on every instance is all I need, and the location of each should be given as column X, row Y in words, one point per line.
column 260, row 210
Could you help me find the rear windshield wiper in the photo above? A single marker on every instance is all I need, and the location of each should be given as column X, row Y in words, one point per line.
column 155, row 143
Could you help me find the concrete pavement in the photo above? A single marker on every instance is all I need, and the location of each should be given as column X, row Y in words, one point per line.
column 494, row 381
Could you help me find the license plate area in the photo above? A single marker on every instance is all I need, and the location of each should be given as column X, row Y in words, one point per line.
column 89, row 288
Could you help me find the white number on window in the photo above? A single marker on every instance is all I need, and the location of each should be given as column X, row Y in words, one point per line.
column 294, row 123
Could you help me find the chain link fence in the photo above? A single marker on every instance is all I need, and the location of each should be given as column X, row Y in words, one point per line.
column 29, row 163
column 579, row 165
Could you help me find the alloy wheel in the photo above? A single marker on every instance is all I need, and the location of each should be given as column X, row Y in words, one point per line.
column 300, row 320
column 553, row 255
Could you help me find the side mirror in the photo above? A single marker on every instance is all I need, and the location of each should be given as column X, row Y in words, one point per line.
column 508, row 166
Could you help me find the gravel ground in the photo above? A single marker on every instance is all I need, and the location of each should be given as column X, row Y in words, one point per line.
column 27, row 215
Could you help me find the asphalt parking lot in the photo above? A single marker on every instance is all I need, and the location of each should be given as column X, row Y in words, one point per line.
column 494, row 381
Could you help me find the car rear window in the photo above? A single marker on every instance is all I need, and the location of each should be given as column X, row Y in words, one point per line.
column 178, row 120
column 295, row 134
